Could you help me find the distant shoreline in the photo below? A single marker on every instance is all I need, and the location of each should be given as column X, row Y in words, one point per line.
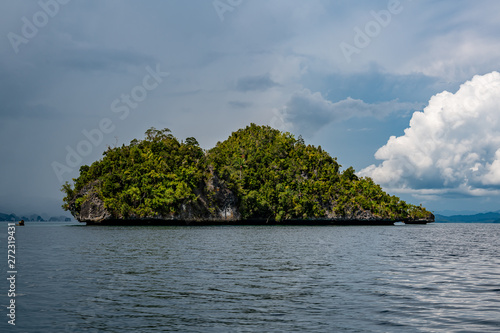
column 33, row 218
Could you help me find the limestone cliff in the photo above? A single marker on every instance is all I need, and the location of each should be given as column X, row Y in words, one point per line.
column 258, row 175
column 215, row 203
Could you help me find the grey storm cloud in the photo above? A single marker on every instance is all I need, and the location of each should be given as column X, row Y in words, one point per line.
column 266, row 62
column 86, row 59
column 239, row 104
column 255, row 83
column 308, row 112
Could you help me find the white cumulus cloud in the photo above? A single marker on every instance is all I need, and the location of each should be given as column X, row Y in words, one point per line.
column 452, row 146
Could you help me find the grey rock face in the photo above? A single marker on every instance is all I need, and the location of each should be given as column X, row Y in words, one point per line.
column 215, row 203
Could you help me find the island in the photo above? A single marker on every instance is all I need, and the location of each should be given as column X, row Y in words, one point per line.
column 259, row 175
column 32, row 218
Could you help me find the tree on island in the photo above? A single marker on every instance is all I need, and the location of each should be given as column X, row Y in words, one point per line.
column 273, row 176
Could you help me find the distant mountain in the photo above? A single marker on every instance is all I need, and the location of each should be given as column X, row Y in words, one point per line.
column 451, row 212
column 492, row 217
column 32, row 217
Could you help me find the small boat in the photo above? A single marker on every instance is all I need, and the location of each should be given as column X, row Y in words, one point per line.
column 20, row 223
column 399, row 223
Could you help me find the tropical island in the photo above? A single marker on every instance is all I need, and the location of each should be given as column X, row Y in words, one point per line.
column 259, row 175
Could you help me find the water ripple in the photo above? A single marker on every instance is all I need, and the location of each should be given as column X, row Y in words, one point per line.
column 435, row 278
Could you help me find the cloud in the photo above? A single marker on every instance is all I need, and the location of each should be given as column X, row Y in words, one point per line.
column 239, row 104
column 250, row 68
column 308, row 112
column 453, row 146
column 101, row 59
column 377, row 85
column 255, row 83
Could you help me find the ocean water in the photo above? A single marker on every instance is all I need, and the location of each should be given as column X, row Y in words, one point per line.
column 412, row 278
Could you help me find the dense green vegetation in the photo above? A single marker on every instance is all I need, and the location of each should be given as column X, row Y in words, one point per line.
column 274, row 175
column 150, row 177
column 280, row 177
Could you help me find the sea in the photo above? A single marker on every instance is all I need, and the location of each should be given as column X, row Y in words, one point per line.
column 70, row 277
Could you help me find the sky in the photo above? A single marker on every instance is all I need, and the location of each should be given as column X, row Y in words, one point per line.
column 407, row 92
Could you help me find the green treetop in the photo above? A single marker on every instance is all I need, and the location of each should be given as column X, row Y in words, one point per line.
column 274, row 176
